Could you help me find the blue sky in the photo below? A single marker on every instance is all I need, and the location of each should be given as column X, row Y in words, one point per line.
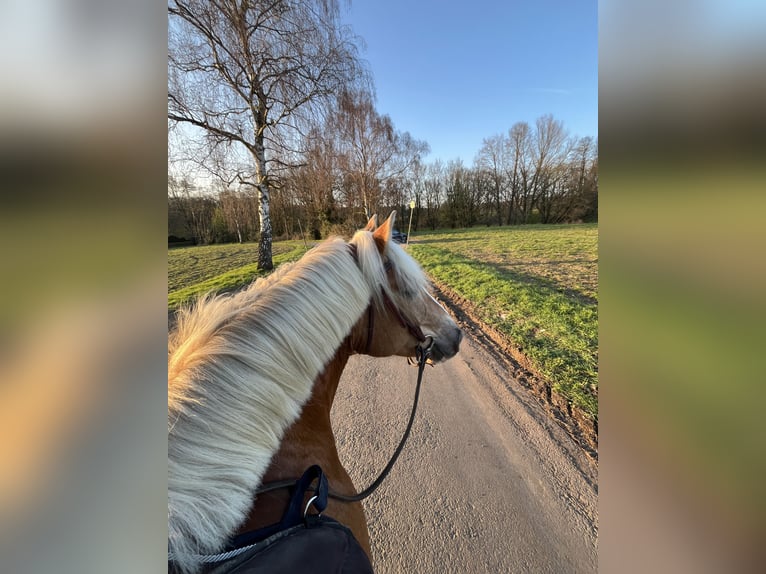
column 453, row 73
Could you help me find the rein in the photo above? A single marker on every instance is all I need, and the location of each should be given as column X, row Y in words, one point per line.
column 422, row 357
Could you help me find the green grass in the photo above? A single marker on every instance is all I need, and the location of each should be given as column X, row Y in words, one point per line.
column 193, row 271
column 537, row 285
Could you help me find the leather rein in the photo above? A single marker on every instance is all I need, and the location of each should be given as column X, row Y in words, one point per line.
column 422, row 356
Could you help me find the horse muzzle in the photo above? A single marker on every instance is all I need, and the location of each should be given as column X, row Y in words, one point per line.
column 445, row 347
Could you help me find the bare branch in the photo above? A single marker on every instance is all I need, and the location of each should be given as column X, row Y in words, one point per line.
column 251, row 73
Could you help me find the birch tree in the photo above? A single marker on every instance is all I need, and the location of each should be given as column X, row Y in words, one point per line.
column 248, row 73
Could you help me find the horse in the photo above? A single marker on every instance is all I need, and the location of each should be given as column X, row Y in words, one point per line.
column 251, row 380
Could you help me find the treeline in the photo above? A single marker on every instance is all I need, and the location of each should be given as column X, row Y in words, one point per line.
column 280, row 117
column 357, row 163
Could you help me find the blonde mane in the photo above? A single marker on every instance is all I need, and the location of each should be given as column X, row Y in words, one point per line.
column 241, row 367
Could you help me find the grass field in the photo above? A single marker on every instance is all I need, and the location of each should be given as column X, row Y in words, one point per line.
column 538, row 286
column 193, row 271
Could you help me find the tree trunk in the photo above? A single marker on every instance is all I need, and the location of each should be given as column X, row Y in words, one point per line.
column 497, row 203
column 265, row 262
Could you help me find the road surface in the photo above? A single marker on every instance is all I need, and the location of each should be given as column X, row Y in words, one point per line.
column 487, row 481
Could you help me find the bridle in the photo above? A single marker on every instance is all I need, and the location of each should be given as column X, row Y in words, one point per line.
column 422, row 358
column 413, row 328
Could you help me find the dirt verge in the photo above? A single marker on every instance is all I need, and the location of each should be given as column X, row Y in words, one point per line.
column 576, row 422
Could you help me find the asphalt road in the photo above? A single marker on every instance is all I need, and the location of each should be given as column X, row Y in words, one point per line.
column 487, row 482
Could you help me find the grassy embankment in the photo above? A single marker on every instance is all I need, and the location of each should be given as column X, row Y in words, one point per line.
column 538, row 286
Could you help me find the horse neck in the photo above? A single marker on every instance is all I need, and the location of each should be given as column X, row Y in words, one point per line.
column 308, row 441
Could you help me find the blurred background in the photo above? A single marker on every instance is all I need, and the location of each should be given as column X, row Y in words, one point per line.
column 682, row 121
column 83, row 147
column 83, row 215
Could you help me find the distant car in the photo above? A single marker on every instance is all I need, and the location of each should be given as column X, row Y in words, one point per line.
column 398, row 236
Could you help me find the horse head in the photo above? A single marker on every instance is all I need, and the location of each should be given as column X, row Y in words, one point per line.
column 402, row 314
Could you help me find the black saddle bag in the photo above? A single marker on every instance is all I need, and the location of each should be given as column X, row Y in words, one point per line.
column 320, row 546
column 299, row 543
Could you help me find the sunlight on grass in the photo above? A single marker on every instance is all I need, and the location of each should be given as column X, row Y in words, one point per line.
column 193, row 271
column 538, row 285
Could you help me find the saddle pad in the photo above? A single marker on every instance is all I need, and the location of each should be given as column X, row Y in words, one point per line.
column 322, row 546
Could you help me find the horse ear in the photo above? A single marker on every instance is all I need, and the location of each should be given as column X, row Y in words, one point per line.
column 382, row 234
column 372, row 223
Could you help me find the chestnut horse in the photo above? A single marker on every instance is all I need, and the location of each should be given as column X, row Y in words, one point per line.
column 252, row 378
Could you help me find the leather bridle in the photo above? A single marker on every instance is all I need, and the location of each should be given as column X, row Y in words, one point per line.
column 413, row 328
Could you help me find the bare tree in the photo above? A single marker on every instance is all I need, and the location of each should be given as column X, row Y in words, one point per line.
column 492, row 159
column 367, row 141
column 433, row 187
column 234, row 207
column 418, row 187
column 457, row 195
column 372, row 152
column 549, row 151
column 581, row 198
column 248, row 73
column 590, row 188
column 518, row 172
column 195, row 209
column 315, row 182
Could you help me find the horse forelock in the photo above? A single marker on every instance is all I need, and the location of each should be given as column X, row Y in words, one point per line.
column 410, row 280
column 240, row 369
